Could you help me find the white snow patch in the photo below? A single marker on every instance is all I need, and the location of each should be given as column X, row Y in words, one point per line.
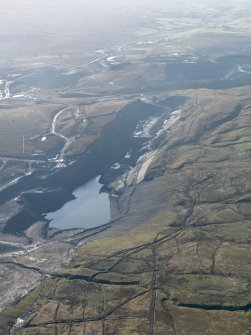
column 116, row 166
column 244, row 69
column 60, row 163
column 143, row 129
column 18, row 323
column 18, row 96
column 145, row 99
column 189, row 62
column 111, row 58
column 70, row 72
column 101, row 51
column 175, row 116
column 137, row 134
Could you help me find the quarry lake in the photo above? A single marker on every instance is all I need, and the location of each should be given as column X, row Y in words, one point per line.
column 89, row 209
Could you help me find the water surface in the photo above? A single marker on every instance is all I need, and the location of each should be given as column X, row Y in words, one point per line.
column 89, row 209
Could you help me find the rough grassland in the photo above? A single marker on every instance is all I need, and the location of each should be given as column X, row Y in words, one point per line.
column 187, row 270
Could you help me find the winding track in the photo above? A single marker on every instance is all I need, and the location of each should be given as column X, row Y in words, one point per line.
column 60, row 156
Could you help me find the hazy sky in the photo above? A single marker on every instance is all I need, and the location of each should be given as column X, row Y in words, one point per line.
column 31, row 27
column 72, row 15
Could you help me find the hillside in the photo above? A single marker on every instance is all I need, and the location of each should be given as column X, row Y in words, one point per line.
column 187, row 269
column 148, row 106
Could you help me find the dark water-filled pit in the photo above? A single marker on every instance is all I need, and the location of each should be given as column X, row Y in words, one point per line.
column 89, row 209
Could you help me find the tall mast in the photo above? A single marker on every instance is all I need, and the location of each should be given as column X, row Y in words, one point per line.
column 23, row 144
